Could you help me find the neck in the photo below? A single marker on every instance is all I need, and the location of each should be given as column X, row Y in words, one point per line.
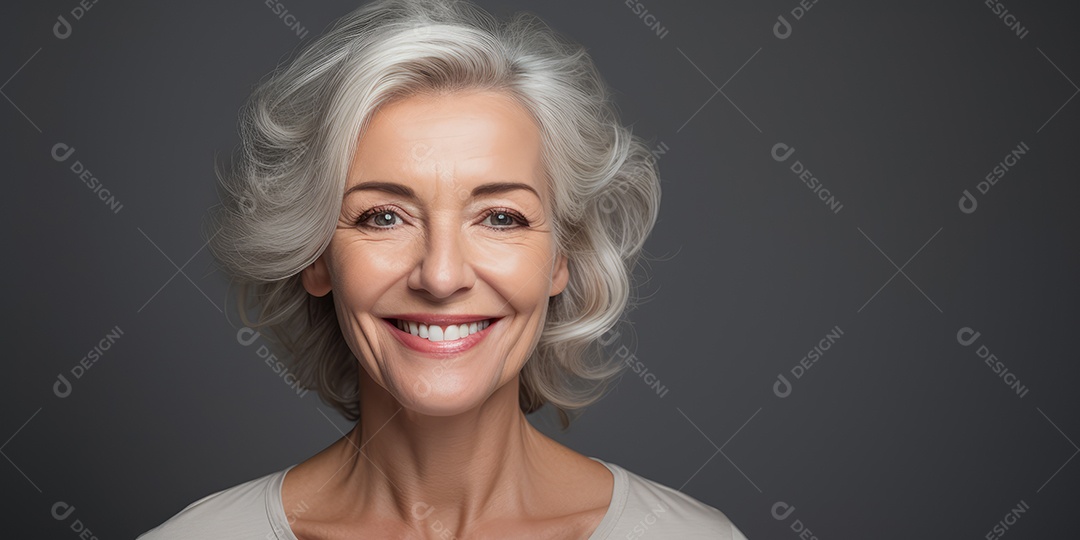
column 459, row 469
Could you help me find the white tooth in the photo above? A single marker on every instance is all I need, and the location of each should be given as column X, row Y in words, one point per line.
column 451, row 333
column 438, row 333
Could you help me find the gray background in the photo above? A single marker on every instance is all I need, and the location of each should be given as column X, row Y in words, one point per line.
column 898, row 431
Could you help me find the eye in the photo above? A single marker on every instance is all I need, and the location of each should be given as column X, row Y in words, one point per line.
column 503, row 218
column 382, row 217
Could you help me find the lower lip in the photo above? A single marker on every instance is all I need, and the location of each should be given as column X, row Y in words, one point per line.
column 439, row 348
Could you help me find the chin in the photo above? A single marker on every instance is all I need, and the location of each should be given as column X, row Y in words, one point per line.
column 433, row 397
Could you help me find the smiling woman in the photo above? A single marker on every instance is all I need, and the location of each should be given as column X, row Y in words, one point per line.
column 436, row 215
column 445, row 261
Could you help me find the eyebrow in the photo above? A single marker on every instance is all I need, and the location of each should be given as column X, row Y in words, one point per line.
column 491, row 188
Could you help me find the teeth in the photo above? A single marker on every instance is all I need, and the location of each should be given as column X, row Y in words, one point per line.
column 439, row 333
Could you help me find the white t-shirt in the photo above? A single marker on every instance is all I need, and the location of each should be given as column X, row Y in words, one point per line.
column 640, row 509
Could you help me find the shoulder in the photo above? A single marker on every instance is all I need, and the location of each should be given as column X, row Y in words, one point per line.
column 240, row 511
column 653, row 510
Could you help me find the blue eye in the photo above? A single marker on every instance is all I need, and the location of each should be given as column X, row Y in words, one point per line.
column 386, row 218
column 385, row 215
column 505, row 218
column 382, row 216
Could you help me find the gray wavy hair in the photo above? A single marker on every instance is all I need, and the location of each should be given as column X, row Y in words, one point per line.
column 282, row 196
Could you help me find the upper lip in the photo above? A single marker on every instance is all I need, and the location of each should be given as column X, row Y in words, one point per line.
column 441, row 319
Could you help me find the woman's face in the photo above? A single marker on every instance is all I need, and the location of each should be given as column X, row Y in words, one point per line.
column 445, row 213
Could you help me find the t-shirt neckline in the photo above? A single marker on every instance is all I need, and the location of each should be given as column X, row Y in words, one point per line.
column 275, row 508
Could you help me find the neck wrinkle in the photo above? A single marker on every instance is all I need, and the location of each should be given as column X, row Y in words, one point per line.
column 459, row 470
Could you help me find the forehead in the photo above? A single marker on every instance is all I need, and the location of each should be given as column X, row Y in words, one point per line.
column 465, row 138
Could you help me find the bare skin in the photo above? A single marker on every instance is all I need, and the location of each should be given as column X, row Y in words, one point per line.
column 442, row 449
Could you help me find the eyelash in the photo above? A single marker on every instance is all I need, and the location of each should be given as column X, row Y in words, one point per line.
column 372, row 212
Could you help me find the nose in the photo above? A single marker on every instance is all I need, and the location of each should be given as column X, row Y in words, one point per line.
column 444, row 268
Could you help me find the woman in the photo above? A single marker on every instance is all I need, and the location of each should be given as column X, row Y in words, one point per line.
column 436, row 215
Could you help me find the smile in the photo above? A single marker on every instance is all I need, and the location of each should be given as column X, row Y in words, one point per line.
column 435, row 332
column 440, row 340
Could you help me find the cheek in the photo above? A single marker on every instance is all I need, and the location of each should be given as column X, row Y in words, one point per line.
column 364, row 273
column 520, row 270
column 366, row 269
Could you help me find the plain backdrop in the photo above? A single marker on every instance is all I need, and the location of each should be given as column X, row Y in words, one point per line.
column 898, row 430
